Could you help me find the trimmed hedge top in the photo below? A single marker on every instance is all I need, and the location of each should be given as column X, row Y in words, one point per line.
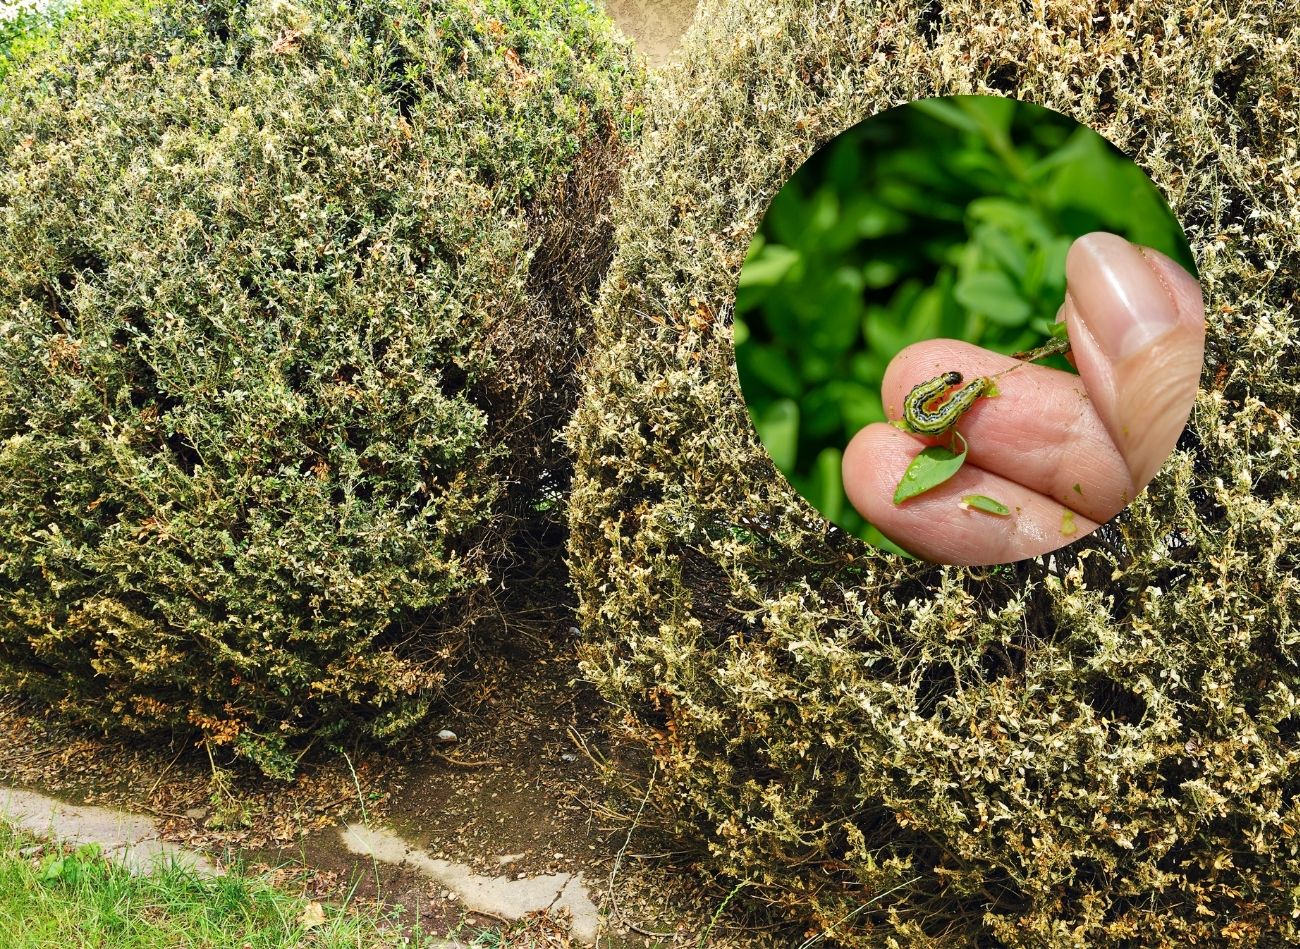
column 1093, row 748
column 288, row 299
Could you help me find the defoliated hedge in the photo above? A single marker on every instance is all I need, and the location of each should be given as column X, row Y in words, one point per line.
column 289, row 294
column 1096, row 748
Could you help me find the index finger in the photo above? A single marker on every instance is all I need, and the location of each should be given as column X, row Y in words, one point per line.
column 936, row 525
column 1041, row 431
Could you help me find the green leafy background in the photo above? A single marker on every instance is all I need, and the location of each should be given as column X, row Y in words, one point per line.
column 943, row 218
column 22, row 23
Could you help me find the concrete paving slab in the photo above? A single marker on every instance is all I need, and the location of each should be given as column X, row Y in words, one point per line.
column 503, row 897
column 131, row 839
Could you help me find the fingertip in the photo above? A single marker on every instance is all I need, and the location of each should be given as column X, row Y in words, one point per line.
column 1125, row 302
column 1183, row 288
column 1142, row 393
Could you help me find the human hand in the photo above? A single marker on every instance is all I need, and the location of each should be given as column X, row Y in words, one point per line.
column 1065, row 453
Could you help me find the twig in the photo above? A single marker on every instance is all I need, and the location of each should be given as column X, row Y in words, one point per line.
column 581, row 744
column 460, row 762
column 1051, row 348
column 158, row 813
column 618, row 861
column 844, row 919
column 323, row 808
column 148, row 794
column 482, row 912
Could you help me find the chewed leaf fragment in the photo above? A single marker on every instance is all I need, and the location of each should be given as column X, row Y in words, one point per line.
column 1068, row 527
column 929, row 469
column 980, row 502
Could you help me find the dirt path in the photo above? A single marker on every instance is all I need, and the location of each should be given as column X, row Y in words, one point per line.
column 511, row 808
column 135, row 841
column 656, row 26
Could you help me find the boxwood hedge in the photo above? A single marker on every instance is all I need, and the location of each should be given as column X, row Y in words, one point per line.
column 289, row 299
column 1093, row 748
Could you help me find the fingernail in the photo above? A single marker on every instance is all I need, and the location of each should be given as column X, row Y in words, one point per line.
column 1117, row 294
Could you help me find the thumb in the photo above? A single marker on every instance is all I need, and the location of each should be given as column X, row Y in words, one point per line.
column 1137, row 333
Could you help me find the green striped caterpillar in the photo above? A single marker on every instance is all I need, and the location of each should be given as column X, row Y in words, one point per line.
column 923, row 414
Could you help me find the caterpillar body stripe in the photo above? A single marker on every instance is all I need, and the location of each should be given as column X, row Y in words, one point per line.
column 925, row 415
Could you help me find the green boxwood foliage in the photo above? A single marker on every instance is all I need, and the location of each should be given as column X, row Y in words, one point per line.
column 1093, row 748
column 24, row 24
column 289, row 294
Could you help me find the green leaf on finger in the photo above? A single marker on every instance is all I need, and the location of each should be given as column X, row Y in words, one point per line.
column 980, row 502
column 931, row 468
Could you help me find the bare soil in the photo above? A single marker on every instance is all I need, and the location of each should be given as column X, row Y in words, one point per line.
column 517, row 783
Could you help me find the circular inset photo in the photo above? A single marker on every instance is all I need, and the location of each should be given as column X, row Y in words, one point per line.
column 969, row 330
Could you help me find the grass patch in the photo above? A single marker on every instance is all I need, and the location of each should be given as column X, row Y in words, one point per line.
column 53, row 895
